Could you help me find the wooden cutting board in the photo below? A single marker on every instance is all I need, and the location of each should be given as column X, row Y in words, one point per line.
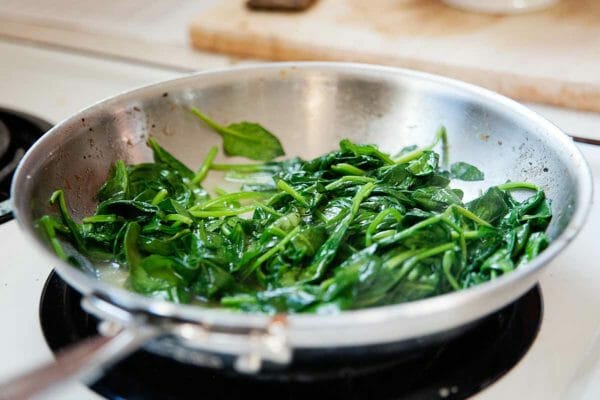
column 550, row 57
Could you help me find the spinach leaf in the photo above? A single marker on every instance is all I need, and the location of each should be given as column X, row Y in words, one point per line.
column 212, row 281
column 117, row 185
column 539, row 216
column 426, row 164
column 466, row 172
column 537, row 242
column 246, row 139
column 145, row 276
column 406, row 150
column 491, row 207
column 164, row 157
column 364, row 150
column 360, row 282
column 74, row 228
column 435, row 198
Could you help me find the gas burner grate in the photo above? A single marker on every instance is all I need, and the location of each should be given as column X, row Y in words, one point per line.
column 453, row 369
column 18, row 132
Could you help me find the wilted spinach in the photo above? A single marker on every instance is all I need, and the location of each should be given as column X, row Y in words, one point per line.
column 352, row 228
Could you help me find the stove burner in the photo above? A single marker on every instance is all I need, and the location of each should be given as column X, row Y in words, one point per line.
column 4, row 139
column 18, row 131
column 453, row 369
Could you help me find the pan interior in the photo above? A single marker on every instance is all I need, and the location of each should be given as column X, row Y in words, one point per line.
column 310, row 109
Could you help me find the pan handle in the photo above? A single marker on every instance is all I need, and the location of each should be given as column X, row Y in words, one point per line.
column 85, row 361
column 203, row 344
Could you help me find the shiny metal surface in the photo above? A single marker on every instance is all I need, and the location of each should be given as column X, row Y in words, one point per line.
column 311, row 106
column 501, row 6
column 85, row 361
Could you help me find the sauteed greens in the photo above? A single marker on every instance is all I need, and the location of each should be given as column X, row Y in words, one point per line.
column 353, row 228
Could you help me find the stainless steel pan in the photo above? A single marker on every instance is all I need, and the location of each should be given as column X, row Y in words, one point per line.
column 310, row 106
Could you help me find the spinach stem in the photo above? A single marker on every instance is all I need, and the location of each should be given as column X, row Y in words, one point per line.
column 410, row 231
column 277, row 231
column 48, row 225
column 269, row 209
column 447, row 262
column 99, row 218
column 220, row 129
column 278, row 247
column 379, row 236
column 160, row 196
column 349, row 179
column 400, row 258
column 179, row 218
column 463, row 251
column 320, row 216
column 468, row 214
column 347, row 169
column 470, row 235
column 205, row 166
column 409, row 264
column 378, row 220
column 59, row 196
column 263, row 167
column 434, row 251
column 282, row 185
column 362, row 194
column 451, row 224
column 224, row 212
column 517, row 186
column 440, row 135
column 228, row 198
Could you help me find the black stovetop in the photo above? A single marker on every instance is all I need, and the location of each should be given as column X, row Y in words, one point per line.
column 452, row 369
column 18, row 132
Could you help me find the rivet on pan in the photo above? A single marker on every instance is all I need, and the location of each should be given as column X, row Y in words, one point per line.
column 248, row 363
column 109, row 328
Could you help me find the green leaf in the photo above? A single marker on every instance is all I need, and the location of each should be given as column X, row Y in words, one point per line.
column 328, row 250
column 426, row 164
column 306, row 243
column 362, row 281
column 292, row 299
column 435, row 198
column 396, row 176
column 74, row 228
column 540, row 216
column 537, row 242
column 491, row 207
column 246, row 139
column 500, row 261
column 163, row 156
column 364, row 150
column 466, row 172
column 406, row 150
column 212, row 281
column 139, row 279
column 117, row 185
column 153, row 275
column 127, row 208
column 49, row 225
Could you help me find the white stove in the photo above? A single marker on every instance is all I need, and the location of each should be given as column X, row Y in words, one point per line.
column 563, row 362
